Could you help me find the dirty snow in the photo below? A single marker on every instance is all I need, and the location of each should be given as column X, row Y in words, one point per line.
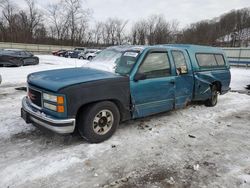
column 192, row 147
column 240, row 78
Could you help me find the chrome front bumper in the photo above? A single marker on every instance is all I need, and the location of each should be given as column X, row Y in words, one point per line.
column 31, row 115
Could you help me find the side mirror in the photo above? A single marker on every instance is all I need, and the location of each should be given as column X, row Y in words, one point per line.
column 139, row 76
column 181, row 70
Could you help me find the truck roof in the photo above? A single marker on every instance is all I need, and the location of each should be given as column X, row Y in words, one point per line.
column 124, row 48
column 195, row 48
column 189, row 47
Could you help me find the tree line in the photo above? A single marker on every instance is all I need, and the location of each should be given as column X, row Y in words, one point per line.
column 68, row 23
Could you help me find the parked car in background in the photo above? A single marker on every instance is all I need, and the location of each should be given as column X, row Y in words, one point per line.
column 72, row 54
column 58, row 52
column 123, row 83
column 62, row 53
column 89, row 54
column 80, row 49
column 16, row 57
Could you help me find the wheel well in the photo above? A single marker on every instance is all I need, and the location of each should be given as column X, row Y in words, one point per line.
column 116, row 102
column 218, row 85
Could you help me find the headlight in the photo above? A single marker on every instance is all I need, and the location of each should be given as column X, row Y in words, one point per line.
column 53, row 107
column 53, row 98
column 49, row 97
column 50, row 106
column 58, row 100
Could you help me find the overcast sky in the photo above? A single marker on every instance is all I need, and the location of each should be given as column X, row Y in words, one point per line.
column 185, row 11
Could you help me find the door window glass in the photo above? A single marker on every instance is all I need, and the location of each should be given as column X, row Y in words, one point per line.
column 156, row 65
column 180, row 62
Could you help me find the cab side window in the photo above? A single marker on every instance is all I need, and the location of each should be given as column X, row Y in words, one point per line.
column 180, row 62
column 220, row 60
column 210, row 60
column 156, row 65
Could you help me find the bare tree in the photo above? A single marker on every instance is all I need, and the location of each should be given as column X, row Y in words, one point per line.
column 140, row 32
column 59, row 20
column 34, row 18
column 154, row 30
column 8, row 13
column 77, row 16
column 97, row 32
column 120, row 27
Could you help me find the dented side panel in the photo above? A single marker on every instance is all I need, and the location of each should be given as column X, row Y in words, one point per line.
column 204, row 80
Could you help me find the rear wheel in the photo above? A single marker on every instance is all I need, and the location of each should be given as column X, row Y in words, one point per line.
column 98, row 122
column 90, row 58
column 212, row 101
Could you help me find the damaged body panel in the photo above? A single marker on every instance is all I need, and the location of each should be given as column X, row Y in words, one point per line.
column 204, row 80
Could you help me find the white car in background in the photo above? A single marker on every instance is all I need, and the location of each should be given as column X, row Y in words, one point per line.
column 89, row 54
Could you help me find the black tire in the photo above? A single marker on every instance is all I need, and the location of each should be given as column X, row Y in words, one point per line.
column 212, row 101
column 90, row 58
column 20, row 63
column 96, row 130
column 81, row 57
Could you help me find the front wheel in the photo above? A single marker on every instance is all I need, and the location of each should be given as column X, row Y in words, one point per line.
column 212, row 101
column 98, row 122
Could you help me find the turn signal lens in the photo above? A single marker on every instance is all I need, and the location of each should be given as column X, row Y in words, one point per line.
column 60, row 100
column 60, row 109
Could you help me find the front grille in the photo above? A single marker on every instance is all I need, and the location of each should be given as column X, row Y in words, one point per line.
column 35, row 97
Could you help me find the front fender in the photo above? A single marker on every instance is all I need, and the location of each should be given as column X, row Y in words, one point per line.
column 80, row 95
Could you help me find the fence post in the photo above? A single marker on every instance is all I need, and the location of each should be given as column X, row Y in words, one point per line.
column 239, row 57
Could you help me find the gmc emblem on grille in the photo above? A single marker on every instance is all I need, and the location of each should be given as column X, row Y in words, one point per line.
column 31, row 96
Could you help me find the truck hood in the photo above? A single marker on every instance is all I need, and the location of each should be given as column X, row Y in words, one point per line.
column 55, row 80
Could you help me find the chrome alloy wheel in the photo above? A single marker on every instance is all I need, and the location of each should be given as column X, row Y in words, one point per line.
column 103, row 122
column 214, row 97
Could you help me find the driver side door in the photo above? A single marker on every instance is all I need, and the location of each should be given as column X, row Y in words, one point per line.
column 153, row 86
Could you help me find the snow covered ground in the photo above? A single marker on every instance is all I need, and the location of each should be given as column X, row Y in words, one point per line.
column 240, row 78
column 192, row 147
column 17, row 76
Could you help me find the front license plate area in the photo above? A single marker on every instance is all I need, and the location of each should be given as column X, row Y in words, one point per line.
column 25, row 116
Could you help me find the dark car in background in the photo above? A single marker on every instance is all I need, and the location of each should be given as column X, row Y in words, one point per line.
column 62, row 53
column 72, row 54
column 59, row 52
column 15, row 57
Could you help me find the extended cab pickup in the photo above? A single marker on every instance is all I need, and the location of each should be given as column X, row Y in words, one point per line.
column 123, row 83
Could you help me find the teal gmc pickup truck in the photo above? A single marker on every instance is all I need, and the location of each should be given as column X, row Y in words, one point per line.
column 123, row 83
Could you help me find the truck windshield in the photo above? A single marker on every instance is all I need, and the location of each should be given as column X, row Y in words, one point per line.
column 107, row 56
column 121, row 62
